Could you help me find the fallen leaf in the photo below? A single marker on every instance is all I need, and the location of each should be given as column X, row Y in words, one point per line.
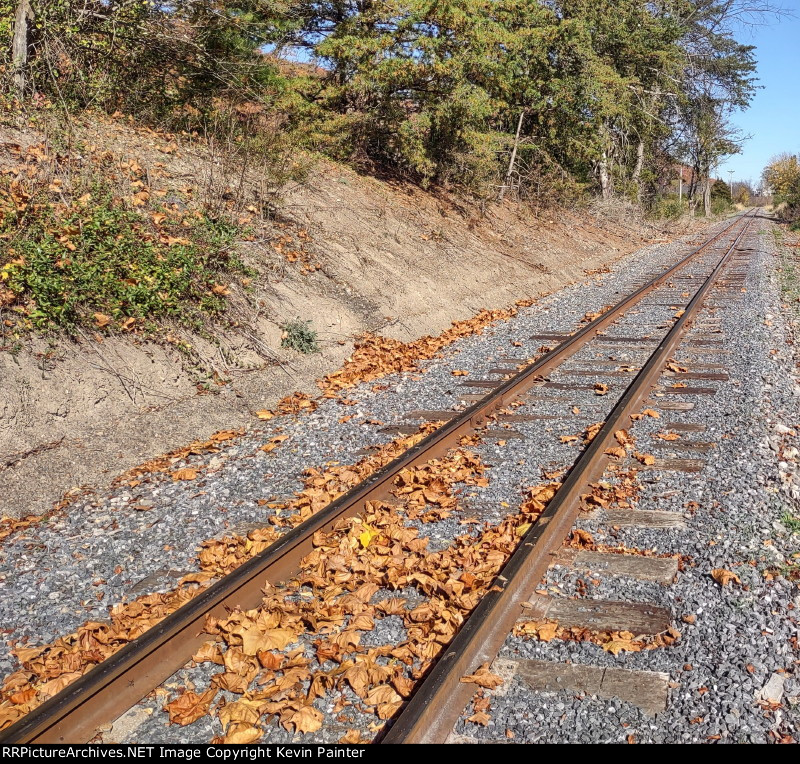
column 242, row 734
column 187, row 473
column 306, row 719
column 255, row 640
column 724, row 577
column 483, row 678
column 188, row 707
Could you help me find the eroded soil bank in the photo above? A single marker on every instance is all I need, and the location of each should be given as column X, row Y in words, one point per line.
column 385, row 258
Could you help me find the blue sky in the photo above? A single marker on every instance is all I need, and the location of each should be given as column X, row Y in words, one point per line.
column 773, row 118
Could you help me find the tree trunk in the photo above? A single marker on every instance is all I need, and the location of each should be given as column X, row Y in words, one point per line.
column 19, row 46
column 605, row 180
column 707, row 196
column 513, row 159
column 636, row 177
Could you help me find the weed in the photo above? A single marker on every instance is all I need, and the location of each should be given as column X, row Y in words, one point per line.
column 100, row 262
column 300, row 336
column 791, row 521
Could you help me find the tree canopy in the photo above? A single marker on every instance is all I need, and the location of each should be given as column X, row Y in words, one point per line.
column 588, row 94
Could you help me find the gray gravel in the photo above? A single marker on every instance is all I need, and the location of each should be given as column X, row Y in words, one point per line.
column 46, row 592
column 744, row 637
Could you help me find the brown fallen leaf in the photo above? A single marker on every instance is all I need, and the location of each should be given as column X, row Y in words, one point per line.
column 646, row 459
column 617, row 646
column 483, row 678
column 19, row 698
column 481, row 717
column 668, row 435
column 600, row 388
column 187, row 473
column 306, row 719
column 460, row 373
column 188, row 707
column 723, row 576
column 265, row 415
column 241, row 734
column 101, row 320
column 254, row 640
column 245, row 712
column 383, row 693
column 273, row 443
column 547, row 632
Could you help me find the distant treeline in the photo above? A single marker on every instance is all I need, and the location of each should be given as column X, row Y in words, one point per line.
column 528, row 97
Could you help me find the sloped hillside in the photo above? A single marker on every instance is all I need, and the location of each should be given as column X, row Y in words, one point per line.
column 346, row 253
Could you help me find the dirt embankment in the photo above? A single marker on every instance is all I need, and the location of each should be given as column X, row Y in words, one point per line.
column 349, row 254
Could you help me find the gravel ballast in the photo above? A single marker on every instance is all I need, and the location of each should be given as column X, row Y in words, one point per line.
column 142, row 539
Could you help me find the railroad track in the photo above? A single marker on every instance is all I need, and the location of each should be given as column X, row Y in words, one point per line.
column 108, row 690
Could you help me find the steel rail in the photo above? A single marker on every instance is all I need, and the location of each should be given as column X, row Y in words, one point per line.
column 440, row 699
column 109, row 689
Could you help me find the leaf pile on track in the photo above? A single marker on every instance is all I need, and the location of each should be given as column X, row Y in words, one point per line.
column 613, row 642
column 619, row 494
column 305, row 640
column 375, row 357
column 320, row 488
column 48, row 669
column 68, row 658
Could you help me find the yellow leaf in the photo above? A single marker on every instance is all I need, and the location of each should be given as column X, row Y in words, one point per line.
column 367, row 536
column 264, row 415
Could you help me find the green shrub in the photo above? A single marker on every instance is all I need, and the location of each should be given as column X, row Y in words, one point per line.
column 721, row 206
column 300, row 336
column 667, row 209
column 99, row 262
